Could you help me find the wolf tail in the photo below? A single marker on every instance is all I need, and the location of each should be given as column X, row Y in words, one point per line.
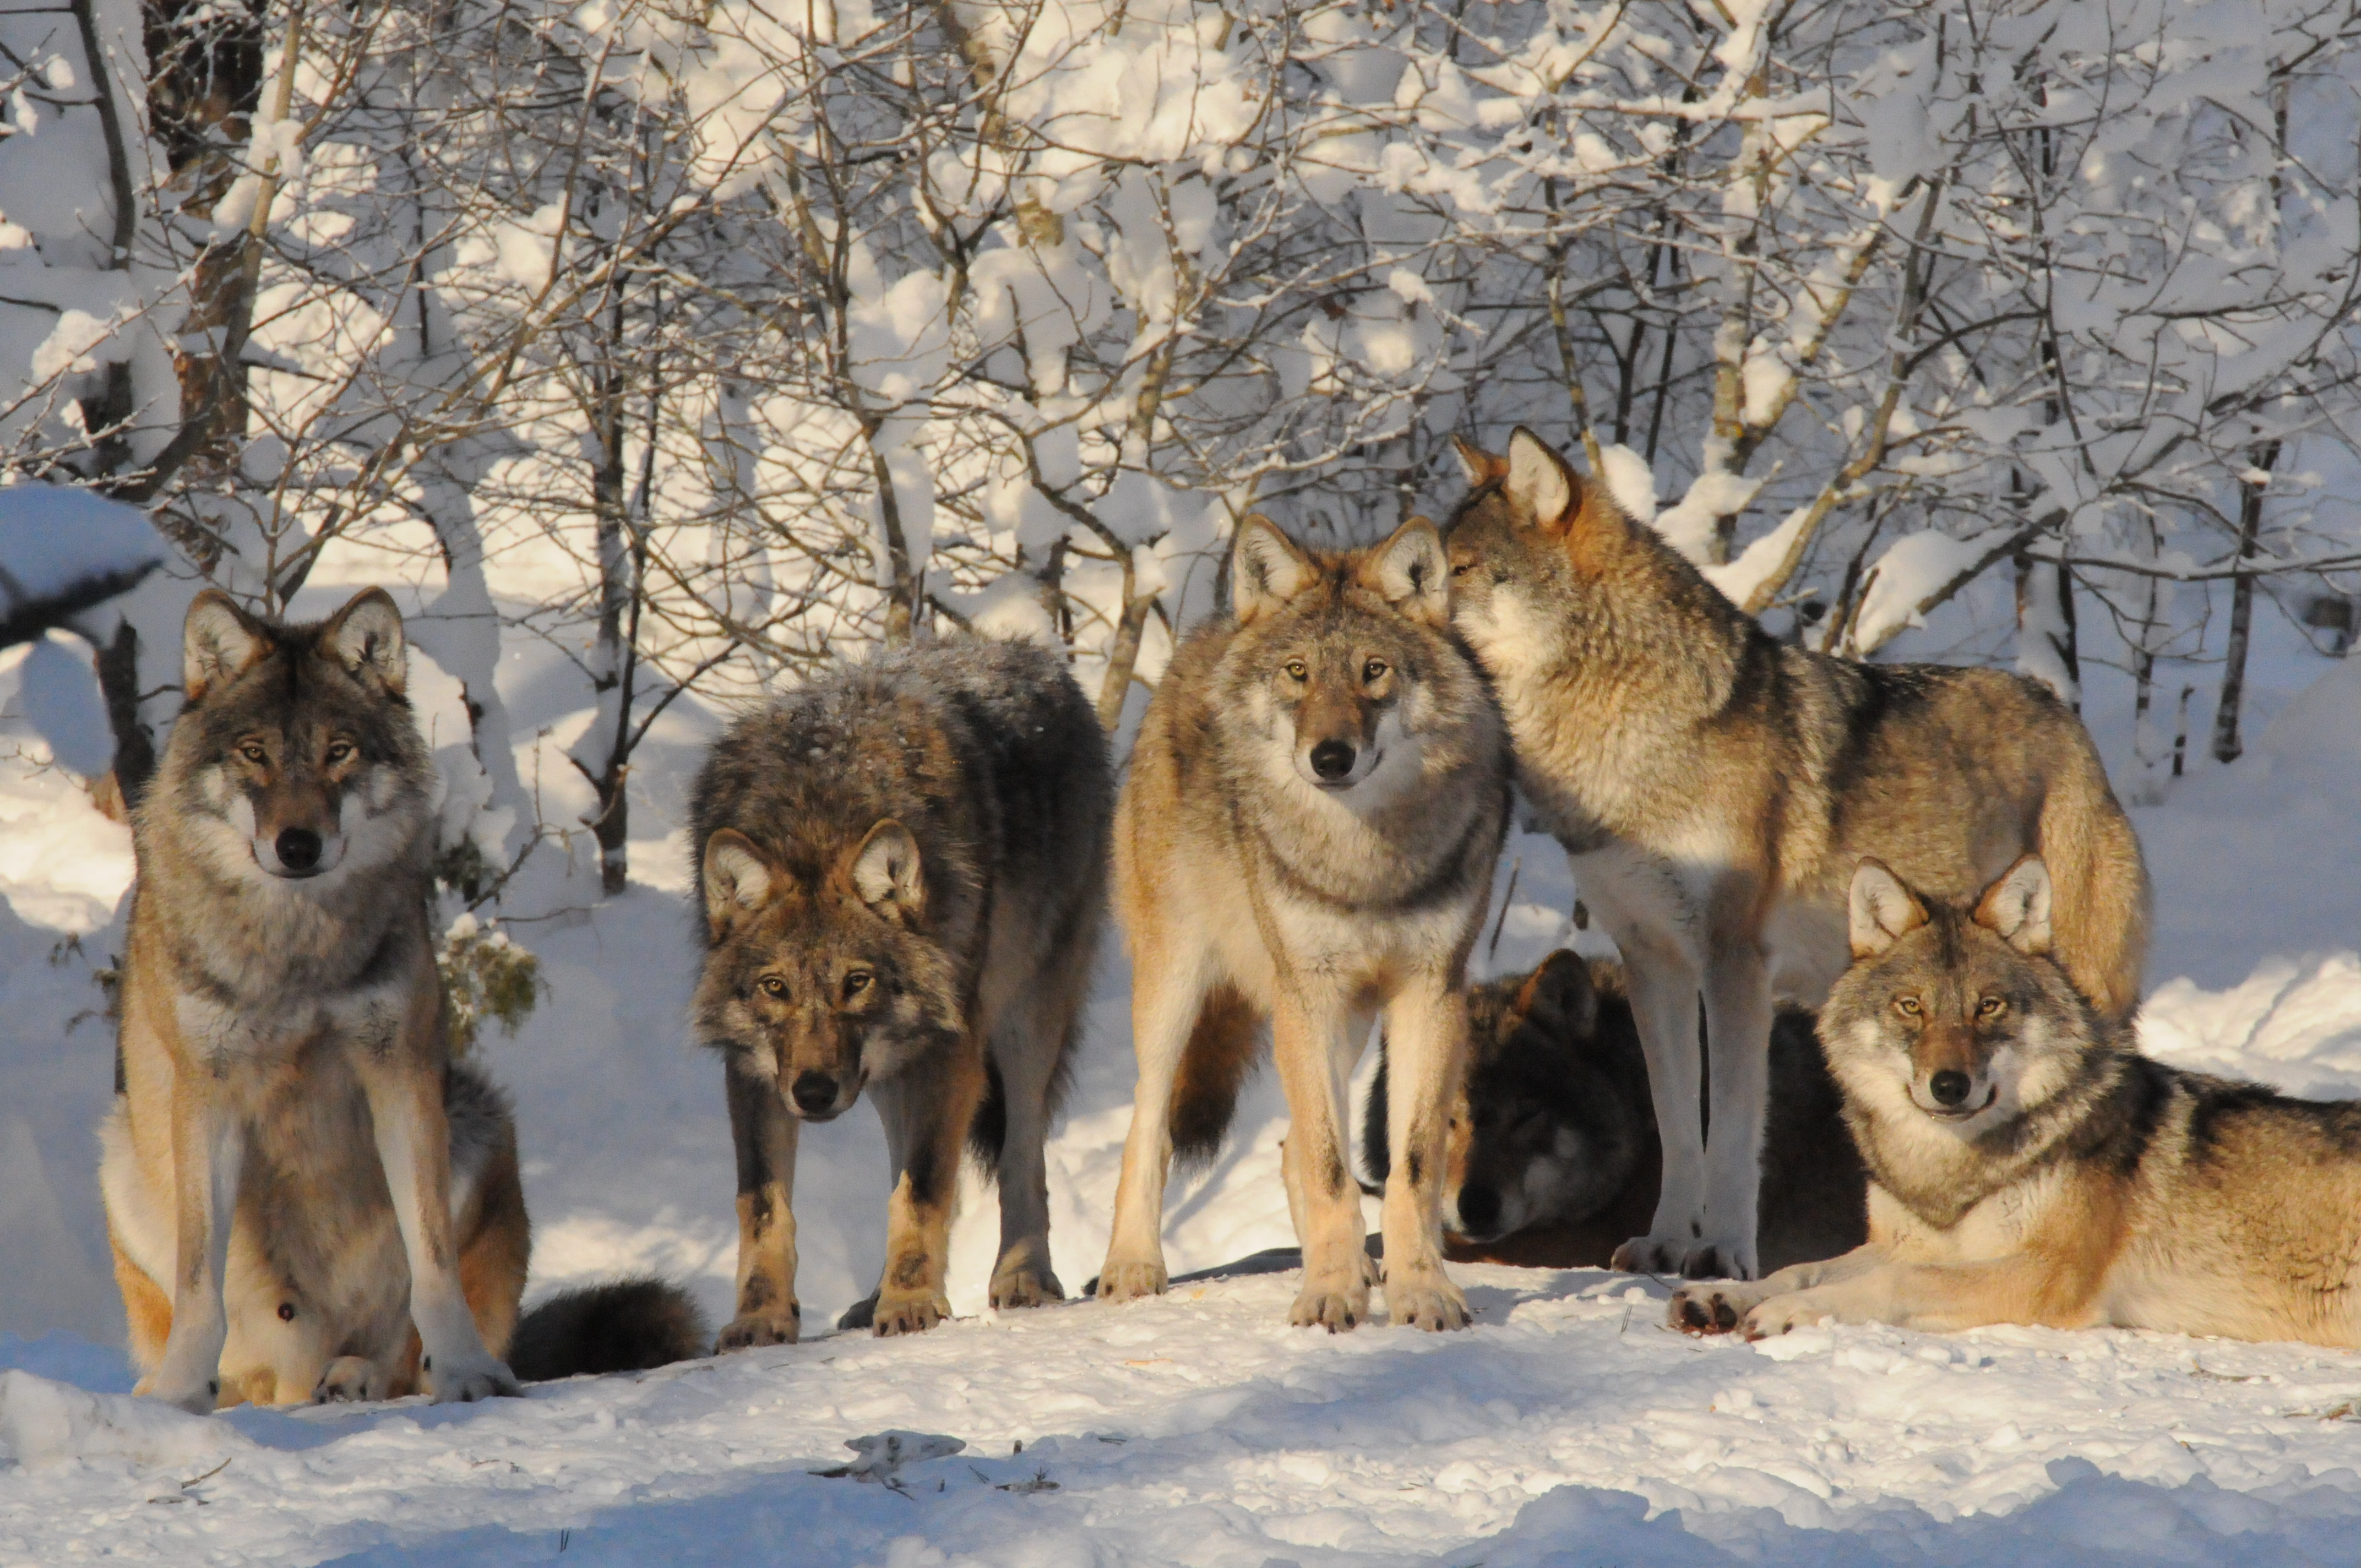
column 1224, row 1049
column 2100, row 911
column 624, row 1325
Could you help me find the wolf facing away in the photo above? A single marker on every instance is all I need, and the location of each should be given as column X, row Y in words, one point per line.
column 306, row 1197
column 1552, row 1158
column 902, row 876
column 1315, row 802
column 2029, row 1166
column 1713, row 790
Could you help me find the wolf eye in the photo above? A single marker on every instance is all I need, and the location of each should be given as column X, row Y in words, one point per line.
column 1990, row 1007
column 773, row 986
column 1906, row 1005
column 339, row 750
column 253, row 752
column 1461, row 568
column 1297, row 670
column 1374, row 670
column 856, row 983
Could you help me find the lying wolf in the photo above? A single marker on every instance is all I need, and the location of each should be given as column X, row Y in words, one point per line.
column 902, row 873
column 1552, row 1156
column 1315, row 802
column 2029, row 1166
column 1714, row 789
column 306, row 1197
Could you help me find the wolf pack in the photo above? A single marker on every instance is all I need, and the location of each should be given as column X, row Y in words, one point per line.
column 1867, row 1053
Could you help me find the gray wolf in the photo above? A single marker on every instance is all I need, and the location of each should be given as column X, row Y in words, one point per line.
column 1307, row 835
column 903, row 877
column 306, row 1197
column 1714, row 788
column 1552, row 1156
column 2029, row 1166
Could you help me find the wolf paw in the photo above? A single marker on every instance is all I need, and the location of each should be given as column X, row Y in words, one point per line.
column 1796, row 1310
column 1719, row 1260
column 464, row 1382
column 1426, row 1300
column 1652, row 1255
column 1337, row 1305
column 1709, row 1308
column 751, row 1331
column 1129, row 1282
column 349, row 1379
column 912, row 1313
column 1024, row 1286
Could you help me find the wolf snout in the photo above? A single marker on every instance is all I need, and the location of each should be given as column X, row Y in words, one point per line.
column 1950, row 1087
column 299, row 851
column 814, row 1094
column 1956, row 1095
column 1333, row 761
column 1479, row 1211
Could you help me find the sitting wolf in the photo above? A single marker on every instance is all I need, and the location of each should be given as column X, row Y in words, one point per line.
column 1552, row 1156
column 2029, row 1166
column 1713, row 790
column 902, row 874
column 1308, row 833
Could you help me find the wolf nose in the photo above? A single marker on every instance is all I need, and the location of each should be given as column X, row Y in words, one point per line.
column 1950, row 1087
column 298, row 849
column 1332, row 759
column 813, row 1092
column 1479, row 1211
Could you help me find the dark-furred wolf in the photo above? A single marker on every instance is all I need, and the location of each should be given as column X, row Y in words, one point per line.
column 1714, row 789
column 1315, row 804
column 1552, row 1158
column 2029, row 1166
column 306, row 1197
column 904, row 874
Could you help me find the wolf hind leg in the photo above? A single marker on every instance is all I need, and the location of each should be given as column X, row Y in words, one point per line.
column 1426, row 1030
column 1027, row 1052
column 1663, row 987
column 1167, row 1002
column 1738, row 1040
column 1317, row 1041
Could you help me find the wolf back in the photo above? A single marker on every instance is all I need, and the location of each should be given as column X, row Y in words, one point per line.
column 2029, row 1166
column 1307, row 834
column 903, row 880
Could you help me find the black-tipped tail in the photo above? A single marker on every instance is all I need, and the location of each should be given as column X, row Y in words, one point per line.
column 625, row 1325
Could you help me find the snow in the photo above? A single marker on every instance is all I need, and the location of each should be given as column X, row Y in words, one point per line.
column 53, row 536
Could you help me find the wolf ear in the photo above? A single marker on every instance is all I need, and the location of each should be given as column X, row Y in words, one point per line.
column 2016, row 907
column 1883, row 911
column 1559, row 998
column 887, row 874
column 1540, row 481
column 366, row 638
column 218, row 641
column 1409, row 570
column 1476, row 465
column 1266, row 569
column 737, row 882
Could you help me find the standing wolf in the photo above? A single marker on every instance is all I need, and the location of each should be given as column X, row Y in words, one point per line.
column 2028, row 1165
column 300, row 1185
column 1315, row 804
column 904, row 870
column 1714, row 789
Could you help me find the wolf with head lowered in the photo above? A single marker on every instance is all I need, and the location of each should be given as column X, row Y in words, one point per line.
column 1307, row 835
column 307, row 1196
column 903, row 877
column 1714, row 788
column 2028, row 1165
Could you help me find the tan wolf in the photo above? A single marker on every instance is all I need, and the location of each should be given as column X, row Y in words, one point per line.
column 1314, row 807
column 1552, row 1160
column 1714, row 788
column 2029, row 1166
column 904, row 875
column 306, row 1197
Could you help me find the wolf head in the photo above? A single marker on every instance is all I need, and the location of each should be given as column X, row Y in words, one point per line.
column 297, row 759
column 826, row 975
column 1953, row 1018
column 1346, row 659
column 1509, row 547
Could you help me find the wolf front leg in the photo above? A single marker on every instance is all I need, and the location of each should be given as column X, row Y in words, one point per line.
column 1316, row 1040
column 1166, row 998
column 763, row 1131
column 1738, row 1045
column 927, row 1110
column 1426, row 1045
column 404, row 1086
column 1664, row 987
column 1718, row 1306
column 1027, row 1051
column 2040, row 1289
column 208, row 1150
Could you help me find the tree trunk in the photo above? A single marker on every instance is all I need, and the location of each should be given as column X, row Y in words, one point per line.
column 2227, row 746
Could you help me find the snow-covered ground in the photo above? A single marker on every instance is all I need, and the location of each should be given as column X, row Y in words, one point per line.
column 1567, row 1428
